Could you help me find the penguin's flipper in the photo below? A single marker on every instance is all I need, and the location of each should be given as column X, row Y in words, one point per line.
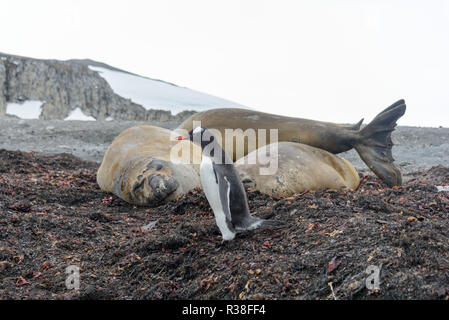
column 224, row 187
column 225, row 191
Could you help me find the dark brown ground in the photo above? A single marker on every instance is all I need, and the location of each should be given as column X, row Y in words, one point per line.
column 52, row 215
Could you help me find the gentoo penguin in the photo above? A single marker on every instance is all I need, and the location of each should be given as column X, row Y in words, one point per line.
column 223, row 188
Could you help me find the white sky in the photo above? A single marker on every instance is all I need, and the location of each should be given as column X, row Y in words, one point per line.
column 319, row 59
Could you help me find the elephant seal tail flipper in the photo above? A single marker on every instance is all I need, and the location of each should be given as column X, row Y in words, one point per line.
column 375, row 144
column 355, row 126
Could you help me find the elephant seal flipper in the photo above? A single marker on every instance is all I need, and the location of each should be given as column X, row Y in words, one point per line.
column 356, row 126
column 375, row 144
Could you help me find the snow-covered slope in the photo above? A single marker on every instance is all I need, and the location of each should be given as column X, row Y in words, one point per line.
column 27, row 110
column 77, row 114
column 156, row 94
column 87, row 90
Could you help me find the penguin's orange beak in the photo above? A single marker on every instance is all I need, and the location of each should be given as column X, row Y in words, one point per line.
column 182, row 137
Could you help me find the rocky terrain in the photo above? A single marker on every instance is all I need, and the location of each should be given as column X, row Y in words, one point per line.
column 54, row 216
column 64, row 86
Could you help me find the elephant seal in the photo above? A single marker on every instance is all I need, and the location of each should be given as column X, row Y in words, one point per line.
column 300, row 167
column 137, row 167
column 373, row 142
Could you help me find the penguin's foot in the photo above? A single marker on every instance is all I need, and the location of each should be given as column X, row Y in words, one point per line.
column 228, row 236
column 225, row 243
column 272, row 223
column 254, row 223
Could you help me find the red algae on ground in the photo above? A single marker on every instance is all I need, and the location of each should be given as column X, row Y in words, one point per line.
column 53, row 215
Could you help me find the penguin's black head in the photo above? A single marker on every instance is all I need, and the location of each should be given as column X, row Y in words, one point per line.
column 200, row 136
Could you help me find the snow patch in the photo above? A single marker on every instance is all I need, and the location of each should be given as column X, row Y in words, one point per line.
column 155, row 94
column 77, row 114
column 29, row 109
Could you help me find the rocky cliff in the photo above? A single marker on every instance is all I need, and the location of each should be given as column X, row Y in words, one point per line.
column 63, row 86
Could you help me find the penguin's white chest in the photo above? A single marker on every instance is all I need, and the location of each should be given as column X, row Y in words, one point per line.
column 212, row 190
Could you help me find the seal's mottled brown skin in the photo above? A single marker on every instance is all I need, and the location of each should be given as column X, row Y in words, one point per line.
column 373, row 142
column 332, row 137
column 137, row 167
column 300, row 168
